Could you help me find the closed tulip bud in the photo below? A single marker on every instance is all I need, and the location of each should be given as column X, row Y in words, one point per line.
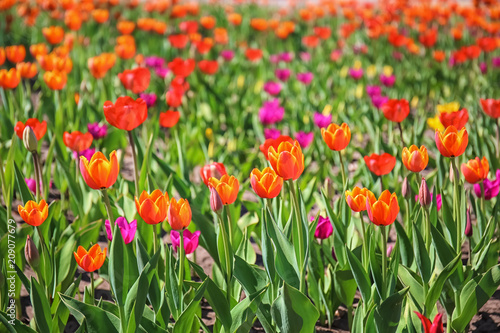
column 215, row 200
column 452, row 174
column 468, row 226
column 329, row 189
column 406, row 190
column 334, row 255
column 424, row 195
column 31, row 253
column 29, row 139
column 389, row 250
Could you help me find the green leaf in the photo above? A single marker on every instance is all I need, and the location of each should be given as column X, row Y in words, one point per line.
column 437, row 285
column 185, row 321
column 293, row 311
column 12, row 325
column 421, row 256
column 405, row 246
column 135, row 301
column 243, row 314
column 388, row 314
column 360, row 276
column 41, row 307
column 23, row 189
column 338, row 233
column 96, row 319
column 414, row 282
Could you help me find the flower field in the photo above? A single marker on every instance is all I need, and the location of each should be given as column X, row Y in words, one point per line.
column 239, row 166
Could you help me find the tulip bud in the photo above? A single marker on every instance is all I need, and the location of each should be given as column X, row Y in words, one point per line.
column 406, row 190
column 424, row 195
column 334, row 255
column 31, row 253
column 389, row 250
column 215, row 200
column 329, row 189
column 452, row 174
column 29, row 139
column 468, row 226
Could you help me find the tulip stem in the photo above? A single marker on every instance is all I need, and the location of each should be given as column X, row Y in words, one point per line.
column 401, row 133
column 181, row 268
column 365, row 259
column 155, row 236
column 37, row 176
column 427, row 229
column 302, row 252
column 456, row 200
column 107, row 204
column 384, row 261
column 136, row 168
column 483, row 198
column 343, row 170
column 92, row 288
column 227, row 248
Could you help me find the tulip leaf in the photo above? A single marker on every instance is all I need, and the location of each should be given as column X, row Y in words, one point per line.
column 437, row 285
column 135, row 301
column 388, row 314
column 421, row 256
column 41, row 307
column 405, row 247
column 293, row 311
column 24, row 191
column 338, row 232
column 96, row 319
column 243, row 313
column 360, row 276
column 13, row 325
column 185, row 320
column 345, row 286
column 267, row 247
column 414, row 282
column 251, row 277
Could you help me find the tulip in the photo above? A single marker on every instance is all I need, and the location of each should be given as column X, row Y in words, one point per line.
column 266, row 183
column 415, row 159
column 271, row 133
column 135, row 80
column 328, row 188
column 387, row 80
column 26, row 70
column 356, row 199
column 227, row 188
column 15, row 53
column 208, row 67
column 100, row 173
column 126, row 113
column 29, row 140
column 435, row 327
column 152, row 208
column 92, row 260
column 322, row 120
column 449, row 114
column 271, row 112
column 215, row 201
column 34, row 213
column 476, row 170
column 406, row 189
column 214, row 169
column 169, row 119
column 305, row 78
column 324, row 229
column 288, row 160
column 228, row 55
column 282, row 74
column 31, row 253
column 53, row 34
column 127, row 230
column 264, row 148
column 424, row 195
column 179, row 214
column 336, row 137
column 55, row 80
column 181, row 67
column 468, row 225
column 9, row 79
column 491, row 107
column 396, row 110
column 77, row 141
column 491, row 187
column 97, row 131
column 304, row 139
column 380, row 164
column 272, row 88
column 452, row 143
column 190, row 240
column 382, row 212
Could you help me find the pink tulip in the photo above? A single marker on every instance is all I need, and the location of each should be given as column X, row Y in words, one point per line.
column 190, row 240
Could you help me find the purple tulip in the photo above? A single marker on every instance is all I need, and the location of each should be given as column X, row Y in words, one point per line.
column 304, row 138
column 373, row 90
column 31, row 183
column 271, row 112
column 97, row 131
column 282, row 74
column 154, row 62
column 87, row 153
column 321, row 120
column 127, row 230
column 324, row 229
column 356, row 74
column 286, row 57
column 387, row 80
column 271, row 133
column 483, row 67
column 305, row 78
column 162, row 71
column 378, row 101
column 190, row 240
column 150, row 99
column 491, row 187
column 227, row 55
column 495, row 62
column 272, row 88
column 305, row 56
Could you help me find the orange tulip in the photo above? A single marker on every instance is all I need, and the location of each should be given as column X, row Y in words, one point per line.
column 415, row 159
column 234, row 18
column 38, row 49
column 214, row 169
column 179, row 214
column 101, row 64
column 2, row 56
column 27, row 70
column 77, row 141
column 258, row 24
column 356, row 199
column 380, row 164
column 288, row 160
column 336, row 137
column 9, row 79
column 383, row 211
column 227, row 187
column 73, row 20
column 15, row 53
column 207, row 22
column 152, row 207
column 100, row 172
column 476, row 170
column 264, row 148
column 100, row 15
column 491, row 107
column 92, row 260
column 266, row 183
column 40, row 128
column 125, row 27
column 53, row 34
column 34, row 214
column 55, row 80
column 452, row 143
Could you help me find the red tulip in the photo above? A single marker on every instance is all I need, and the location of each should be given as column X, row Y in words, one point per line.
column 135, row 80
column 126, row 113
column 380, row 164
